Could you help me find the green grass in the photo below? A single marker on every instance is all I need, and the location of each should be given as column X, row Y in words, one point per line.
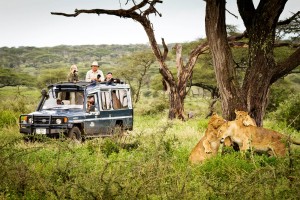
column 151, row 163
column 156, row 167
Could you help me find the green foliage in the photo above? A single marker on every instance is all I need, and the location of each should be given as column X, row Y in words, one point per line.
column 288, row 112
column 9, row 77
column 109, row 146
column 279, row 93
column 7, row 118
column 152, row 106
column 52, row 76
column 156, row 169
column 150, row 163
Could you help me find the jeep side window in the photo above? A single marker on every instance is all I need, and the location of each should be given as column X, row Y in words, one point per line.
column 119, row 99
column 124, row 98
column 105, row 100
column 70, row 98
column 115, row 95
column 92, row 103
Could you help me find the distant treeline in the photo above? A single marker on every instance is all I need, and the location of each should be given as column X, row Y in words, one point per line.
column 47, row 56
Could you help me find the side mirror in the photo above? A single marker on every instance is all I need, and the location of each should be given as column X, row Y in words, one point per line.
column 44, row 93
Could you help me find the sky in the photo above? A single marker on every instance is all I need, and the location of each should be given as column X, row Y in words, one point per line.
column 30, row 23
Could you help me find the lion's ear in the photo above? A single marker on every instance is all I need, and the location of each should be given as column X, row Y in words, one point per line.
column 235, row 111
column 214, row 114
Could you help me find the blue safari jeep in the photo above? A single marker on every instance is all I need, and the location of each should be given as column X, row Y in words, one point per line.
column 81, row 110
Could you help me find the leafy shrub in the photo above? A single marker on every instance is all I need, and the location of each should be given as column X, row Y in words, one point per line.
column 156, row 106
column 109, row 146
column 278, row 94
column 147, row 93
column 7, row 118
column 288, row 112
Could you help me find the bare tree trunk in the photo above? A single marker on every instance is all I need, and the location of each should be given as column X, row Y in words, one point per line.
column 222, row 58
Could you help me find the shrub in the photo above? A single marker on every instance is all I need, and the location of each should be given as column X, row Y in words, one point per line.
column 288, row 112
column 7, row 118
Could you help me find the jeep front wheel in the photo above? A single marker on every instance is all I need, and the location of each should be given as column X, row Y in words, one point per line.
column 75, row 134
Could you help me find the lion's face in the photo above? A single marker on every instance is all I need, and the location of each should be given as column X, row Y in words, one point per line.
column 222, row 130
column 245, row 118
column 216, row 121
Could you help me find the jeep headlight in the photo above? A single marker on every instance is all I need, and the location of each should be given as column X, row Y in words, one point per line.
column 58, row 121
column 30, row 120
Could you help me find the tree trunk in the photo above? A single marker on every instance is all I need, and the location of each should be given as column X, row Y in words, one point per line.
column 222, row 59
column 176, row 109
column 260, row 25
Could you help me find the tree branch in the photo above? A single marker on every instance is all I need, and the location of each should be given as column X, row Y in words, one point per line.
column 289, row 20
column 286, row 66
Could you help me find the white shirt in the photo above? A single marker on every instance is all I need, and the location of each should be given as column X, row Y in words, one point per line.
column 92, row 75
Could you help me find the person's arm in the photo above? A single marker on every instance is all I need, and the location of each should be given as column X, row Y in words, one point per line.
column 88, row 77
column 102, row 76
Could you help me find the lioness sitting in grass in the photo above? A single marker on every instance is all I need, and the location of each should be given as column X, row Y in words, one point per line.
column 255, row 138
column 209, row 144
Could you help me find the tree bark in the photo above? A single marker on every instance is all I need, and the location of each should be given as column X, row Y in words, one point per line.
column 262, row 69
column 260, row 25
column 222, row 59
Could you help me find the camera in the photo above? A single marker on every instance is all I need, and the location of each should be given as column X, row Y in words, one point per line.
column 98, row 76
column 75, row 71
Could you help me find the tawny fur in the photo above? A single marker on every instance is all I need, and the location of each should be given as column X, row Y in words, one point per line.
column 209, row 144
column 256, row 138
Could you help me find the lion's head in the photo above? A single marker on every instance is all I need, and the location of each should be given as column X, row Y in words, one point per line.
column 245, row 118
column 216, row 121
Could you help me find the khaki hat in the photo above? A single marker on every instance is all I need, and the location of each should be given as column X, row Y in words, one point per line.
column 95, row 63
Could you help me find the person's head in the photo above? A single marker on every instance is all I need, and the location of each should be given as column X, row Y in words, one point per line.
column 73, row 69
column 95, row 66
column 58, row 101
column 109, row 76
column 91, row 100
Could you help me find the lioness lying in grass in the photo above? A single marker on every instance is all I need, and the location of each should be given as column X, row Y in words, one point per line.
column 256, row 138
column 209, row 144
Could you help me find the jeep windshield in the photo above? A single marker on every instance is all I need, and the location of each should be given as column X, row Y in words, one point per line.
column 63, row 100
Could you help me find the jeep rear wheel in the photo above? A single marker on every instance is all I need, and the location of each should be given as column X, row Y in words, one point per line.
column 75, row 134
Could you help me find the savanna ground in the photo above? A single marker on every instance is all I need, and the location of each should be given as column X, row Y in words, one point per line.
column 150, row 163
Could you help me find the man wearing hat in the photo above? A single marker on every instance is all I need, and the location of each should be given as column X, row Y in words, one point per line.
column 94, row 74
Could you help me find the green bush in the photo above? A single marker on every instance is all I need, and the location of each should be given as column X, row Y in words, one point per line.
column 288, row 112
column 7, row 118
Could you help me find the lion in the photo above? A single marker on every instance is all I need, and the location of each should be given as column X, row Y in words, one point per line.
column 209, row 144
column 243, row 119
column 255, row 138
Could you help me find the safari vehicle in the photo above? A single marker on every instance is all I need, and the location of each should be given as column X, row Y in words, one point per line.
column 63, row 110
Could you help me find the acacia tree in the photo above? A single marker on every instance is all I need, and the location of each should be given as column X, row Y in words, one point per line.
column 176, row 86
column 9, row 77
column 137, row 67
column 262, row 69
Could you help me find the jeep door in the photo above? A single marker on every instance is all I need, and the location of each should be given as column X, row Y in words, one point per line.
column 92, row 123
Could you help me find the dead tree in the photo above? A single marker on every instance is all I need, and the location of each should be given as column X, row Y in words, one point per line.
column 176, row 86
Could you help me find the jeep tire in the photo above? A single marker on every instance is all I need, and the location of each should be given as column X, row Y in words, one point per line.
column 75, row 134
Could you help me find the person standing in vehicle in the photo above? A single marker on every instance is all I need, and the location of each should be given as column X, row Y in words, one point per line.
column 94, row 75
column 108, row 76
column 73, row 74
